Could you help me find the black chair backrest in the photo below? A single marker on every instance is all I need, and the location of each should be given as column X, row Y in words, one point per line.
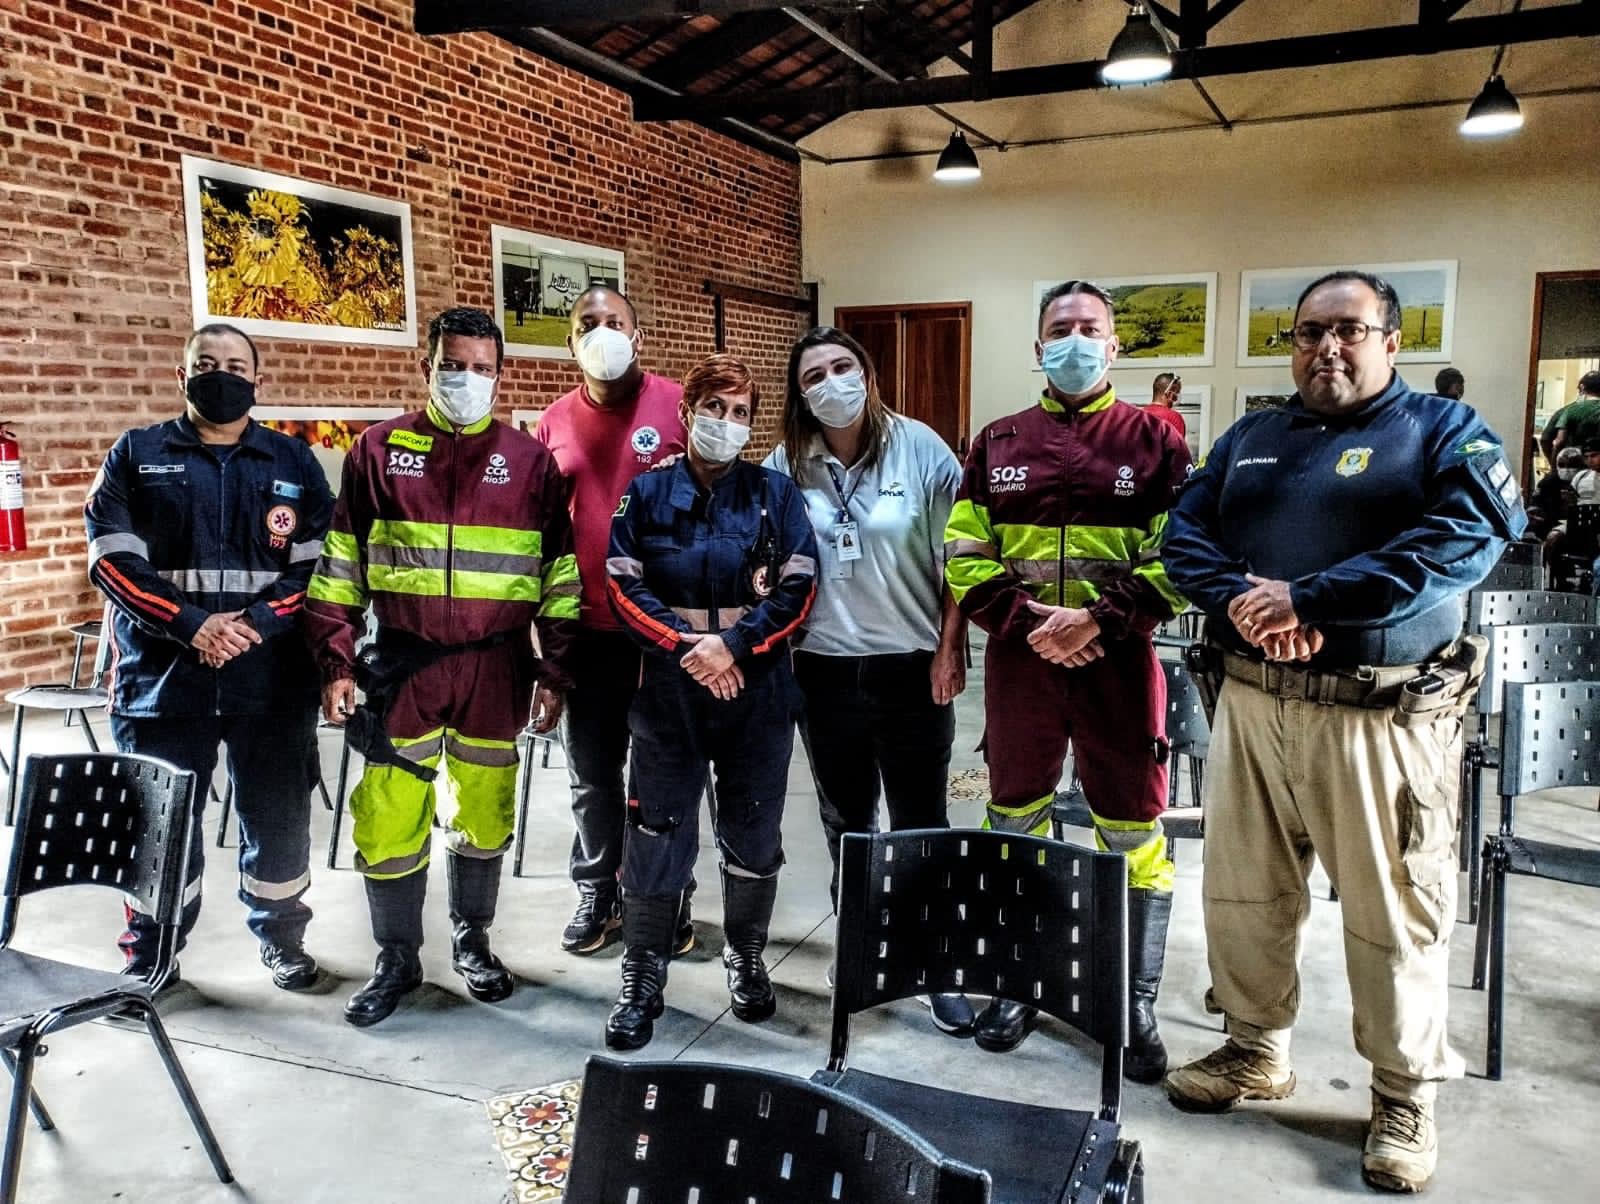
column 1035, row 921
column 102, row 819
column 1583, row 530
column 677, row 1132
column 1502, row 607
column 1188, row 733
column 1507, row 575
column 1537, row 652
column 1523, row 552
column 1552, row 736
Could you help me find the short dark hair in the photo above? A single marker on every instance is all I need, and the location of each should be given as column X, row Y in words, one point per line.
column 1069, row 288
column 1388, row 299
column 473, row 323
column 221, row 328
column 1446, row 378
column 602, row 288
column 1165, row 381
column 1589, row 383
column 1591, row 446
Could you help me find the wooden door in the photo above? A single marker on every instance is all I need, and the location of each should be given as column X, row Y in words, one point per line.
column 923, row 354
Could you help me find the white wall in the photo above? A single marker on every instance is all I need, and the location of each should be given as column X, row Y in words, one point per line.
column 1370, row 189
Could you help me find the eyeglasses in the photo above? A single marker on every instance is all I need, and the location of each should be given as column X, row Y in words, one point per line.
column 1308, row 336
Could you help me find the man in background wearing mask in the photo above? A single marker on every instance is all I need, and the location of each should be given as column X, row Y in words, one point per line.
column 453, row 528
column 1053, row 548
column 203, row 531
column 618, row 423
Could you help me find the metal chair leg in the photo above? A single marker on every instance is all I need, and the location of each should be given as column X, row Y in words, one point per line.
column 338, row 805
column 88, row 731
column 1474, row 836
column 223, row 816
column 191, row 1104
column 322, row 789
column 1497, row 966
column 16, row 766
column 17, row 1119
column 35, row 1104
column 524, row 792
column 1480, row 946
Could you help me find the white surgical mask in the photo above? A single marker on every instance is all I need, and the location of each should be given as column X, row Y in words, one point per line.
column 462, row 397
column 837, row 401
column 1566, row 474
column 716, row 440
column 604, row 353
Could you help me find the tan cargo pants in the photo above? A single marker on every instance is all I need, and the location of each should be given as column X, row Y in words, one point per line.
column 1288, row 780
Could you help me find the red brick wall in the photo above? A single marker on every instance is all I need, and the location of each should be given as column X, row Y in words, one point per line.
column 99, row 99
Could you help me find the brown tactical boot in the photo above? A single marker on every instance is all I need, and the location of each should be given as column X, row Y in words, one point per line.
column 1227, row 1077
column 1402, row 1145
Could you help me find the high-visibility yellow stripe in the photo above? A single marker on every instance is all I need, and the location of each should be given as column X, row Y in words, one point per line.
column 338, row 593
column 501, row 587
column 341, row 545
column 1143, row 845
column 426, row 583
column 967, row 529
column 507, row 541
column 561, row 589
column 401, row 534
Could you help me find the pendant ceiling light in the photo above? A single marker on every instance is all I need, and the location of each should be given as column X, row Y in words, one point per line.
column 1495, row 111
column 1138, row 54
column 957, row 161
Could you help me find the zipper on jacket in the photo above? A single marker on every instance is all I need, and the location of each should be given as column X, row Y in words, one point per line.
column 450, row 538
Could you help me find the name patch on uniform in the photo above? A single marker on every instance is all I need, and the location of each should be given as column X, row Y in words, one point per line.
column 412, row 440
column 1353, row 461
column 150, row 468
column 285, row 489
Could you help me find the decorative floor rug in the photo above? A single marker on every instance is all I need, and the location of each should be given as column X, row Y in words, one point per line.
column 533, row 1132
column 969, row 786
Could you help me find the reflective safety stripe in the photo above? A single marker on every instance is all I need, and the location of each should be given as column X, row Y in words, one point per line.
column 508, row 541
column 120, row 541
column 426, row 583
column 700, row 620
column 334, row 592
column 561, row 589
column 1028, row 819
column 274, row 891
column 624, row 566
column 499, row 587
column 220, row 581
column 395, row 867
column 498, row 562
column 798, row 566
column 399, row 533
column 299, row 553
column 338, row 570
column 420, row 749
column 397, row 556
column 970, row 547
column 473, row 751
column 1143, row 844
column 458, row 844
column 341, row 545
column 190, row 894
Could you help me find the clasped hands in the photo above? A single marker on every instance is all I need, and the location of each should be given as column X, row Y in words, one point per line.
column 1265, row 619
column 224, row 636
column 710, row 663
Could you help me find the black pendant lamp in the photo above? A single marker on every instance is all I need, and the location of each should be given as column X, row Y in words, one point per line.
column 1138, row 54
column 957, row 162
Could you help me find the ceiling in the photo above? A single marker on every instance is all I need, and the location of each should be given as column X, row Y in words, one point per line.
column 851, row 79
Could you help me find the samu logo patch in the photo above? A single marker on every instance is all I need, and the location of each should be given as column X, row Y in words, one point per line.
column 1353, row 461
column 646, row 440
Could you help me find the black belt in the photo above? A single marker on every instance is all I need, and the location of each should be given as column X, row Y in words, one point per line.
column 1375, row 687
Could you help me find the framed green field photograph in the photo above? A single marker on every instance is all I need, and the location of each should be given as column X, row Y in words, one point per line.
column 536, row 280
column 1163, row 321
column 1427, row 293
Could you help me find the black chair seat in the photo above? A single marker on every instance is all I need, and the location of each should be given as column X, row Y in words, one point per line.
column 1560, row 863
column 30, row 985
column 1180, row 823
column 58, row 698
column 983, row 1132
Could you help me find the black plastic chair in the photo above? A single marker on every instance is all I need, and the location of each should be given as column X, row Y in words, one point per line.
column 92, row 819
column 1574, row 567
column 1188, row 736
column 1518, row 653
column 670, row 1132
column 1552, row 739
column 1514, row 572
column 1031, row 920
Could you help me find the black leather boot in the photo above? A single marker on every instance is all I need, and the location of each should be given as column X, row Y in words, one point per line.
column 746, row 916
column 648, row 922
column 474, row 887
column 1003, row 1025
column 396, row 908
column 1145, row 1059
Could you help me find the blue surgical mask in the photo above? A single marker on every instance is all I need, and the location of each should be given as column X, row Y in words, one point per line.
column 1074, row 364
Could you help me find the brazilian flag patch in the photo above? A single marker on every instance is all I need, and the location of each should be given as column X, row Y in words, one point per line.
column 622, row 507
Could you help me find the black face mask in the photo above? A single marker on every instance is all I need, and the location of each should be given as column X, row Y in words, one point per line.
column 220, row 397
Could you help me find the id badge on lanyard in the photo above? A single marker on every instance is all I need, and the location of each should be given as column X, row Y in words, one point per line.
column 846, row 532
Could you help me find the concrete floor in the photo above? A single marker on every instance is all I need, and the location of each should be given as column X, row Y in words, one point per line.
column 309, row 1109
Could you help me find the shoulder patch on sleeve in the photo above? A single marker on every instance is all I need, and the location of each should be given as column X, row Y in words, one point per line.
column 1488, row 464
column 622, row 507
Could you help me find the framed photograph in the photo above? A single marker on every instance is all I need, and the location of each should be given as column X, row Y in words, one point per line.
column 330, row 430
column 1194, row 403
column 1261, row 397
column 1166, row 321
column 1427, row 293
column 536, row 280
column 282, row 258
column 525, row 420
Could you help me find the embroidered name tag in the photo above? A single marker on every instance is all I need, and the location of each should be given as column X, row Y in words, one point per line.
column 411, row 440
column 285, row 489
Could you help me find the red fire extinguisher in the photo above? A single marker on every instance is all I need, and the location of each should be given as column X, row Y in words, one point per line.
column 13, row 527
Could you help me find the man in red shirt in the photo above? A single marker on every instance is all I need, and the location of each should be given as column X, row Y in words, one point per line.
column 1166, row 390
column 620, row 422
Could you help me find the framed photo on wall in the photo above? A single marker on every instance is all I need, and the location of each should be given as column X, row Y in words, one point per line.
column 1427, row 292
column 1261, row 397
column 1163, row 321
column 329, row 430
column 1194, row 403
column 536, row 280
column 284, row 258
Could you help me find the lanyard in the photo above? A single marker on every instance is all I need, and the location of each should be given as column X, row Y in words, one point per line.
column 838, row 489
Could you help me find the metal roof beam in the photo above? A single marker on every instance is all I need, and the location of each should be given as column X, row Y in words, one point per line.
column 458, row 16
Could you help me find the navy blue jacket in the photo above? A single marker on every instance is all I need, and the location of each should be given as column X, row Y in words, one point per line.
column 681, row 561
column 177, row 534
column 1379, row 520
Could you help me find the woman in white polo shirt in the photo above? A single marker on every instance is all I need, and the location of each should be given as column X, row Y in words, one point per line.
column 884, row 652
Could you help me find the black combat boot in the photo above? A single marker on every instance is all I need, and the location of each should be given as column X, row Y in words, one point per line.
column 746, row 916
column 474, row 887
column 396, row 908
column 648, row 923
column 1145, row 1060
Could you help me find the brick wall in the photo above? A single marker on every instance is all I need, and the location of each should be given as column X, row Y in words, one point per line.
column 98, row 100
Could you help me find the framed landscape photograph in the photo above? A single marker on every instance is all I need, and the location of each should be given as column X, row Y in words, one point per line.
column 329, row 430
column 1427, row 292
column 1261, row 397
column 1165, row 321
column 1194, row 403
column 536, row 280
column 283, row 258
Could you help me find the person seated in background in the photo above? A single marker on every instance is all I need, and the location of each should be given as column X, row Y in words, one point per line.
column 1586, row 484
column 1554, row 494
column 1450, row 383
